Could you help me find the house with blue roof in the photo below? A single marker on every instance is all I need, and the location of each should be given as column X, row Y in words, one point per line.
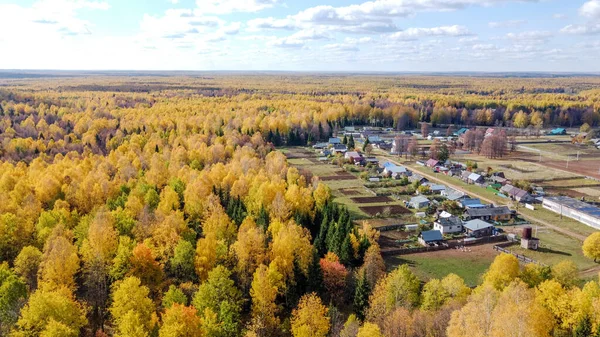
column 557, row 132
column 429, row 238
column 461, row 131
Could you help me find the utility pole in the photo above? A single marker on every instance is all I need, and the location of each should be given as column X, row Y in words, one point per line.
column 577, row 155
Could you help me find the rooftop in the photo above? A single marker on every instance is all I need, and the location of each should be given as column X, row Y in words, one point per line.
column 581, row 206
column 419, row 199
column 489, row 211
column 477, row 224
column 430, row 236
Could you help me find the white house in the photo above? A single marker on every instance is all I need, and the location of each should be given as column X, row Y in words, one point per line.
column 448, row 225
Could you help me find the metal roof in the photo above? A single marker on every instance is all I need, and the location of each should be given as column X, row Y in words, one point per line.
column 477, row 224
column 434, row 235
column 474, row 176
column 488, row 211
column 418, row 199
column 580, row 206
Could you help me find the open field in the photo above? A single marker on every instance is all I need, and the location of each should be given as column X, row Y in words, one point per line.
column 347, row 189
column 555, row 247
column 384, row 210
column 371, row 200
column 469, row 265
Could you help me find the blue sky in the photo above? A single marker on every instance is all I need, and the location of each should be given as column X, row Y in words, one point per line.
column 309, row 35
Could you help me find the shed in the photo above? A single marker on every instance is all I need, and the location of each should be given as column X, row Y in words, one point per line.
column 429, row 238
column 557, row 132
column 475, row 178
column 478, row 228
column 418, row 202
column 334, row 140
column 461, row 131
column 432, row 163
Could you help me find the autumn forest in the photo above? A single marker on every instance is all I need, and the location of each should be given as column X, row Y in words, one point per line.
column 160, row 205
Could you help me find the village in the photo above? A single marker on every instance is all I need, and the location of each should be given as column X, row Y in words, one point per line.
column 409, row 193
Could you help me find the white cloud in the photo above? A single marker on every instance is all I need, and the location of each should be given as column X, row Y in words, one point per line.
column 174, row 2
column 591, row 9
column 416, row 33
column 270, row 23
column 300, row 38
column 231, row 6
column 481, row 46
column 588, row 29
column 506, row 24
column 47, row 19
column 559, row 16
column 376, row 16
column 530, row 36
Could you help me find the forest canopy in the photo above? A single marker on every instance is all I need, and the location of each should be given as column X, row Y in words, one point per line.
column 160, row 206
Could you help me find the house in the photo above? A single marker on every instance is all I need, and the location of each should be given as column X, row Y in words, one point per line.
column 453, row 195
column 489, row 132
column 499, row 180
column 516, row 193
column 353, row 156
column 334, row 140
column 429, row 238
column 502, row 213
column 372, row 160
column 375, row 140
column 340, row 148
column 395, row 171
column 448, row 225
column 462, row 131
column 498, row 174
column 464, row 176
column 385, row 146
column 349, row 129
column 419, row 178
column 558, row 132
column 419, row 202
column 436, row 189
column 478, row 228
column 320, row 146
column 432, row 163
column 471, row 203
column 475, row 178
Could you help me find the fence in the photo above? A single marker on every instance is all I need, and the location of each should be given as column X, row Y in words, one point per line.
column 445, row 245
column 520, row 257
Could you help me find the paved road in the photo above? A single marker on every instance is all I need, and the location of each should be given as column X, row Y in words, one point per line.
column 431, row 176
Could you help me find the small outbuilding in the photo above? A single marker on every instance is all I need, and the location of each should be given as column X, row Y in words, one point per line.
column 419, row 202
column 478, row 228
column 429, row 238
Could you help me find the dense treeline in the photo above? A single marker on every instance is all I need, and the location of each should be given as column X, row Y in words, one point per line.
column 170, row 213
column 59, row 116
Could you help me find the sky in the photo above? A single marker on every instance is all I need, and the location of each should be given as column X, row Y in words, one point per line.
column 307, row 35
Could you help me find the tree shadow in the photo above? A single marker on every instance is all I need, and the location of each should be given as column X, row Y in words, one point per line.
column 551, row 251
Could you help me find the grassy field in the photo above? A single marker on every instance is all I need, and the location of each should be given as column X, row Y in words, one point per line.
column 553, row 218
column 556, row 247
column 470, row 265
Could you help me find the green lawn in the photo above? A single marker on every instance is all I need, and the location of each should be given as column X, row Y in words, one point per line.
column 554, row 219
column 556, row 247
column 427, row 266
